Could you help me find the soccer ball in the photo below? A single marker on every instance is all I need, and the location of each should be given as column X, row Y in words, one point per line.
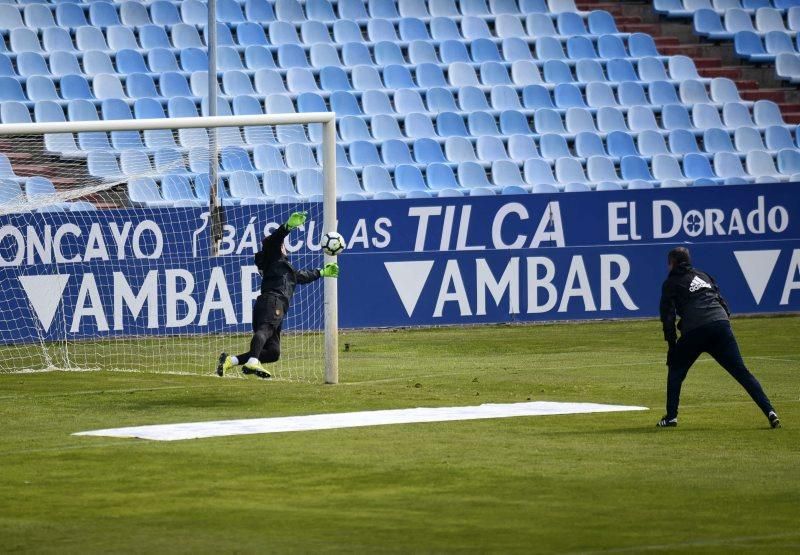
column 332, row 243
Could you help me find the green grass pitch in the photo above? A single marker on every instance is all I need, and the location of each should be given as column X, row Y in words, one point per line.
column 721, row 482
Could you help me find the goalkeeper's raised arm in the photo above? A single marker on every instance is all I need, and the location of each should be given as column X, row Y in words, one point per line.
column 278, row 281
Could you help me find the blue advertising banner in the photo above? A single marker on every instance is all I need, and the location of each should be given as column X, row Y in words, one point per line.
column 421, row 262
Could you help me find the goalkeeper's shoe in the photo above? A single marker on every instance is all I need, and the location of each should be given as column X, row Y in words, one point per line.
column 667, row 422
column 256, row 369
column 774, row 421
column 223, row 364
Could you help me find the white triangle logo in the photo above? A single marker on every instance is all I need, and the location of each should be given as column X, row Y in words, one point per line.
column 757, row 267
column 409, row 278
column 44, row 294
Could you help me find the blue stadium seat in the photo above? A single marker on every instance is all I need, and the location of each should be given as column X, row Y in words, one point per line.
column 567, row 95
column 244, row 184
column 525, row 72
column 376, row 102
column 354, row 129
column 589, row 71
column 569, row 170
column 706, row 116
column 381, row 30
column 651, row 69
column 407, row 101
column 608, row 186
column 760, row 164
column 376, row 179
column 634, row 167
column 766, row 113
column 289, row 11
column 428, row 151
column 407, row 178
column 499, row 7
column 175, row 187
column 505, row 98
column 515, row 49
column 450, row 124
column 24, row 40
column 153, row 36
column 622, row 70
column 580, row 120
column 251, row 34
column 538, row 172
column 418, row 126
column 185, row 36
column 789, row 162
column 315, row 32
column 31, row 63
column 10, row 192
column 14, row 112
column 143, row 191
column 299, row 156
column 747, row 44
column 504, row 174
column 493, row 74
column 103, row 163
column 121, row 37
column 662, row 92
column 632, row 94
column 134, row 14
column 652, row 143
column 130, row 61
column 540, row 25
column 611, row 119
column 41, row 87
column 278, row 184
column 56, row 39
column 727, row 164
column 452, row 51
column 301, row 80
column 536, row 96
column 736, row 114
column 549, row 48
column 777, row 137
column 259, row 10
column 162, row 60
column 412, row 29
column 397, row 77
column 96, row 62
column 356, row 54
column 385, row 127
column 693, row 91
column 546, row 120
column 588, row 144
column 472, row 99
column 490, row 149
column 601, row 168
column 620, row 145
column 459, row 149
column 747, row 139
column 641, row 118
column 666, row 166
column 422, row 52
column 553, row 147
column 507, row 26
column 570, row 24
column 601, row 23
column 556, row 71
column 598, row 95
column 484, row 50
column 395, row 152
column 611, row 47
column 140, row 85
column 268, row 157
column 103, row 14
column 70, row 15
column 413, row 8
column 473, row 28
column 430, row 75
column 697, row 166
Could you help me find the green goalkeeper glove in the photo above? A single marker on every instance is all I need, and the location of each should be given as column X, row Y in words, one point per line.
column 330, row 270
column 296, row 220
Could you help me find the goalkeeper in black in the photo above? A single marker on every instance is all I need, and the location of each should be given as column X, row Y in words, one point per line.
column 278, row 281
column 705, row 327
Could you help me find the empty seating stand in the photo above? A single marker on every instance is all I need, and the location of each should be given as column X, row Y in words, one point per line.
column 434, row 97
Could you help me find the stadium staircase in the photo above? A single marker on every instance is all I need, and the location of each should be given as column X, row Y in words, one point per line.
column 712, row 59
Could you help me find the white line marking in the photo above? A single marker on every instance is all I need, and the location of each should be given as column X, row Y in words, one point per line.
column 196, row 430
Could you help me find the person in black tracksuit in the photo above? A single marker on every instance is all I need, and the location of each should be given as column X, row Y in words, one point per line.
column 705, row 327
column 278, row 281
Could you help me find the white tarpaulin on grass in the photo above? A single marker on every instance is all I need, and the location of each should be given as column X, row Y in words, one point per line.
column 197, row 430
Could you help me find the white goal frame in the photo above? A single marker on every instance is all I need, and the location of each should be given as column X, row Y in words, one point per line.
column 328, row 121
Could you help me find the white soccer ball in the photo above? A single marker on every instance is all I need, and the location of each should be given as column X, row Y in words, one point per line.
column 332, row 243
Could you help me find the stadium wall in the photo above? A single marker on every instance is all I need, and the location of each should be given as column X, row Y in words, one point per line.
column 410, row 263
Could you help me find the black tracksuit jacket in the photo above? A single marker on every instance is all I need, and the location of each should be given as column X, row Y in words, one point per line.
column 694, row 297
column 278, row 277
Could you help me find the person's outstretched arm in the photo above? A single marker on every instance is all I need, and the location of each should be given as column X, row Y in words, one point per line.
column 307, row 276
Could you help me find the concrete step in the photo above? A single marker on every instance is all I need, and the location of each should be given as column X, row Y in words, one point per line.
column 775, row 95
column 707, row 63
column 691, row 50
column 730, row 73
column 648, row 28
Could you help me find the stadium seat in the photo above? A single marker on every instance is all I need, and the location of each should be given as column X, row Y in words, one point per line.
column 409, row 179
column 459, row 149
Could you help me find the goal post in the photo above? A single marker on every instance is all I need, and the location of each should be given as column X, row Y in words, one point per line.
column 62, row 151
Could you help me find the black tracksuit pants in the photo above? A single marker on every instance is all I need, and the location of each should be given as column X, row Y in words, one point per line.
column 268, row 314
column 716, row 339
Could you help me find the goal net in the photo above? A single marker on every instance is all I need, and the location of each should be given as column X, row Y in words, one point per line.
column 118, row 252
